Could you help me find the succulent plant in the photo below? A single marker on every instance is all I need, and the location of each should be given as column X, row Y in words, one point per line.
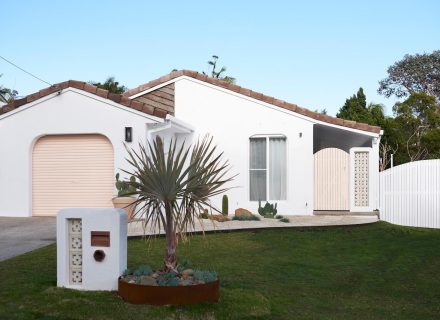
column 204, row 214
column 247, row 218
column 205, row 276
column 225, row 205
column 127, row 272
column 268, row 211
column 143, row 270
column 183, row 265
column 168, row 279
column 124, row 187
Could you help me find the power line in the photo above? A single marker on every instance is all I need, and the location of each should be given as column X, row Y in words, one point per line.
column 10, row 62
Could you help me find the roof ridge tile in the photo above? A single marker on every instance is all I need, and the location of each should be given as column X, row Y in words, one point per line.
column 87, row 87
column 124, row 98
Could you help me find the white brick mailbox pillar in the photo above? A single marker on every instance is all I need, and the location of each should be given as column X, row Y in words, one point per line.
column 91, row 248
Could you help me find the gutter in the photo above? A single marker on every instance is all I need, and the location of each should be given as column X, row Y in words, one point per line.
column 170, row 122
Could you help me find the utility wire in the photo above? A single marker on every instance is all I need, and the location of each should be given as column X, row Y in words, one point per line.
column 10, row 62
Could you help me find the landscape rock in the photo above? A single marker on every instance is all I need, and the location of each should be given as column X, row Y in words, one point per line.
column 240, row 212
column 187, row 273
column 148, row 281
column 186, row 282
column 219, row 217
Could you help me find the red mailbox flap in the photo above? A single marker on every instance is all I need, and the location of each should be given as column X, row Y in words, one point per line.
column 100, row 239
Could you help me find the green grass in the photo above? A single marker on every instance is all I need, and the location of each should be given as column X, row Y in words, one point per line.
column 377, row 271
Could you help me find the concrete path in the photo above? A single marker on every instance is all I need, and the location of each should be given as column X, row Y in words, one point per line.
column 21, row 235
column 136, row 228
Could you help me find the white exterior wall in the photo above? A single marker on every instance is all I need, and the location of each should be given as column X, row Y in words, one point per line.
column 232, row 119
column 72, row 112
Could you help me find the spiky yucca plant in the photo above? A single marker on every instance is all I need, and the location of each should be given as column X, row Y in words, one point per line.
column 173, row 187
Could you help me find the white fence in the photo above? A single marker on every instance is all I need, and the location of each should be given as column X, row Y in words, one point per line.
column 410, row 194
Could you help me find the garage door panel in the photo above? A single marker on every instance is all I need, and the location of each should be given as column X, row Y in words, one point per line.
column 71, row 171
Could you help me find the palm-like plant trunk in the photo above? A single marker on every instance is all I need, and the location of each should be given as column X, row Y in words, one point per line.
column 171, row 241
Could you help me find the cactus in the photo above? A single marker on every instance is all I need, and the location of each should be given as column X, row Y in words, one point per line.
column 225, row 205
column 124, row 187
column 204, row 214
column 268, row 211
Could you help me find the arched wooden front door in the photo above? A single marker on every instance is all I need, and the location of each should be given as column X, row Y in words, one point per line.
column 332, row 179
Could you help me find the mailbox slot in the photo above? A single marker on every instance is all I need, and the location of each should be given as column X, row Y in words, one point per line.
column 100, row 239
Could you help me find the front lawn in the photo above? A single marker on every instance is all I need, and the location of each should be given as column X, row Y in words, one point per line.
column 377, row 271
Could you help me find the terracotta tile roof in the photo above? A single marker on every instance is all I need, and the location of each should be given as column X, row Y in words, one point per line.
column 254, row 95
column 118, row 98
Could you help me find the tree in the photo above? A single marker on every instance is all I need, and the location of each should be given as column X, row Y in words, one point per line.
column 173, row 186
column 356, row 109
column 418, row 120
column 111, row 85
column 385, row 151
column 7, row 95
column 218, row 73
column 322, row 111
column 413, row 74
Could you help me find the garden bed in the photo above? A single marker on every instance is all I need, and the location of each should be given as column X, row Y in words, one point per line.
column 168, row 295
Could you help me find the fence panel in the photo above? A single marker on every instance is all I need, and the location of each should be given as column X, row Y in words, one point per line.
column 410, row 194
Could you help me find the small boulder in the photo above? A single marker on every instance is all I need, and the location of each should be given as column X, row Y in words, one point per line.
column 219, row 217
column 187, row 273
column 186, row 282
column 148, row 281
column 240, row 212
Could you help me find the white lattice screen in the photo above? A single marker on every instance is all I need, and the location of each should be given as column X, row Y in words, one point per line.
column 361, row 179
column 75, row 251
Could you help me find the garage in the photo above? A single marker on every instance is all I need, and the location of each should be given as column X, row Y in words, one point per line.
column 71, row 171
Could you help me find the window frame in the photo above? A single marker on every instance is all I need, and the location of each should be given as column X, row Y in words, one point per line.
column 267, row 137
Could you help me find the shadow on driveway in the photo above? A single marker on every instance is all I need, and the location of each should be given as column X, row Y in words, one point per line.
column 21, row 235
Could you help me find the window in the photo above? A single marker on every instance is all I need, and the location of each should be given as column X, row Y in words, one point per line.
column 267, row 168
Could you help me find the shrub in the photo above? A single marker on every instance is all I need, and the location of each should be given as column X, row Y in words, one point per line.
column 286, row 220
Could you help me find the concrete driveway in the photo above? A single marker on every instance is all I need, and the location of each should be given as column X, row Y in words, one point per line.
column 21, row 235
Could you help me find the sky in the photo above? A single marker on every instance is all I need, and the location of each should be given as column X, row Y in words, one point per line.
column 312, row 53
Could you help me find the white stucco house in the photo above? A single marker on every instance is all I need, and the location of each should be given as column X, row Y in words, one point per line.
column 61, row 147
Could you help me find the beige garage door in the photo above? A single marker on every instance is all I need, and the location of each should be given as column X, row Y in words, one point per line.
column 71, row 171
column 332, row 179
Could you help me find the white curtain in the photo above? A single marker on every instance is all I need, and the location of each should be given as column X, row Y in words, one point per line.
column 277, row 168
column 258, row 169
